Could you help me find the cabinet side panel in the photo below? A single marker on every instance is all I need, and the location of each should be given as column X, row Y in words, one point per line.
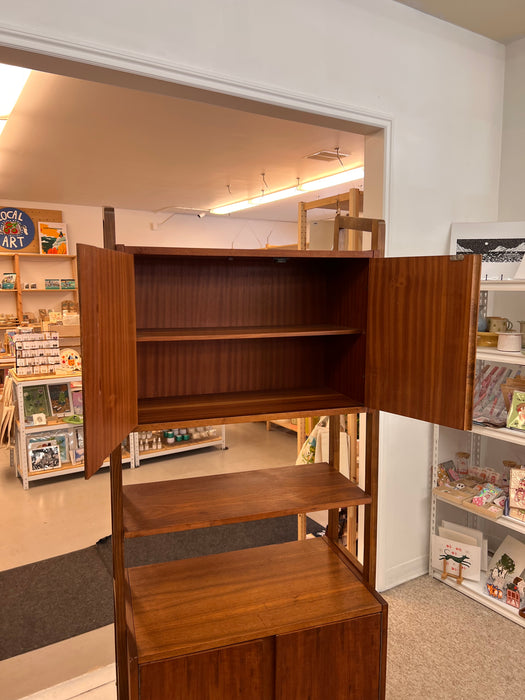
column 342, row 660
column 109, row 364
column 232, row 673
column 421, row 340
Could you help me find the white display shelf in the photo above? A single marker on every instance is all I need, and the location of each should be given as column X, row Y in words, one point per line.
column 177, row 447
column 50, row 426
column 62, row 471
column 188, row 446
column 502, row 286
column 504, row 520
column 505, row 434
column 476, row 591
column 504, row 358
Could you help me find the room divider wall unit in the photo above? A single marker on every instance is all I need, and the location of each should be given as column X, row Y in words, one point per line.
column 200, row 337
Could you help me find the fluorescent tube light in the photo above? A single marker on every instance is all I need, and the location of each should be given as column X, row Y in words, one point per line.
column 332, row 180
column 12, row 80
column 313, row 185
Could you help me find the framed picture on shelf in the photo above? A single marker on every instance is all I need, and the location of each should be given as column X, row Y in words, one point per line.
column 36, row 401
column 44, row 456
column 76, row 398
column 60, row 399
column 501, row 245
column 52, row 238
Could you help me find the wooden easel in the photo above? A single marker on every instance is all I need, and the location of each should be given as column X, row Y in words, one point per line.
column 446, row 574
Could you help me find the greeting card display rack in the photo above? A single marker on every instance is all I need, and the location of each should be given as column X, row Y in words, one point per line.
column 54, row 428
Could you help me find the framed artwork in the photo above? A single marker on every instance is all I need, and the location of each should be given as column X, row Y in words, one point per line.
column 501, row 245
column 451, row 553
column 76, row 397
column 52, row 238
column 36, row 401
column 44, row 456
column 60, row 399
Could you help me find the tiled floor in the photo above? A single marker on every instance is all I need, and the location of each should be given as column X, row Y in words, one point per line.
column 60, row 515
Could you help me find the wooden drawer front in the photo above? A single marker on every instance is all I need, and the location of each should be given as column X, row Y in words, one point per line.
column 240, row 672
column 342, row 660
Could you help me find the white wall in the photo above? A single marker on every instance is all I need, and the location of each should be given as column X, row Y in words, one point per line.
column 512, row 199
column 134, row 228
column 440, row 87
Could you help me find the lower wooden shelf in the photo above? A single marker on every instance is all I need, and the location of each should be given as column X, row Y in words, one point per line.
column 183, row 504
column 183, row 607
column 181, row 411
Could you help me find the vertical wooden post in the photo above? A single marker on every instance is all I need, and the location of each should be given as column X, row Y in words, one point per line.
column 334, row 438
column 301, row 431
column 371, row 487
column 117, row 524
column 19, row 307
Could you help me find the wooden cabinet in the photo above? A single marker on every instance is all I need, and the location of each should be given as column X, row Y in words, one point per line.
column 198, row 337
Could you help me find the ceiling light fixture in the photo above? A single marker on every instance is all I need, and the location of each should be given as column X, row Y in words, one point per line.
column 12, row 80
column 312, row 186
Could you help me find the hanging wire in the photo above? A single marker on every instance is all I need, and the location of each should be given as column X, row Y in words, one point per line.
column 336, row 148
column 229, row 190
column 264, row 181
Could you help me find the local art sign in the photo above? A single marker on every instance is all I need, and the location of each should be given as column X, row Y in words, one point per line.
column 17, row 230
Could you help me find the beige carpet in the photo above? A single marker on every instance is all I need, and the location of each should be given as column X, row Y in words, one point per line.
column 444, row 645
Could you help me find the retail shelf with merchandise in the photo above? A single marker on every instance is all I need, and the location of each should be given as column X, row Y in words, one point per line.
column 214, row 436
column 515, row 436
column 28, row 436
column 476, row 590
column 504, row 520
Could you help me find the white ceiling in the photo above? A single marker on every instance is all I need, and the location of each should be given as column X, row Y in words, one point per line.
column 73, row 141
column 501, row 20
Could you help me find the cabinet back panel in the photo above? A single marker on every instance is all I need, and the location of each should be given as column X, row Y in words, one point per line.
column 221, row 366
column 209, row 367
column 209, row 292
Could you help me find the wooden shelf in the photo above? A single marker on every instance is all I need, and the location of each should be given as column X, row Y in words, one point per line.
column 42, row 289
column 186, row 504
column 182, row 607
column 181, row 411
column 237, row 333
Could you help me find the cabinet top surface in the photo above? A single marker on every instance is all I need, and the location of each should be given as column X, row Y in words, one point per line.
column 244, row 253
column 238, row 596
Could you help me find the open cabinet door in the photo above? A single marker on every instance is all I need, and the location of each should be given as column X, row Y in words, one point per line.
column 421, row 337
column 109, row 372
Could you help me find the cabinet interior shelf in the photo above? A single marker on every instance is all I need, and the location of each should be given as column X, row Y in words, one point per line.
column 185, row 504
column 240, row 332
column 299, row 585
column 244, row 406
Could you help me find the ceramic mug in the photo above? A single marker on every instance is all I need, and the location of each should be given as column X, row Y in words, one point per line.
column 498, row 324
column 509, row 342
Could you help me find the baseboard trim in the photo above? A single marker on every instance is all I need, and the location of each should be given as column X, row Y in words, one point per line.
column 76, row 687
column 402, row 573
